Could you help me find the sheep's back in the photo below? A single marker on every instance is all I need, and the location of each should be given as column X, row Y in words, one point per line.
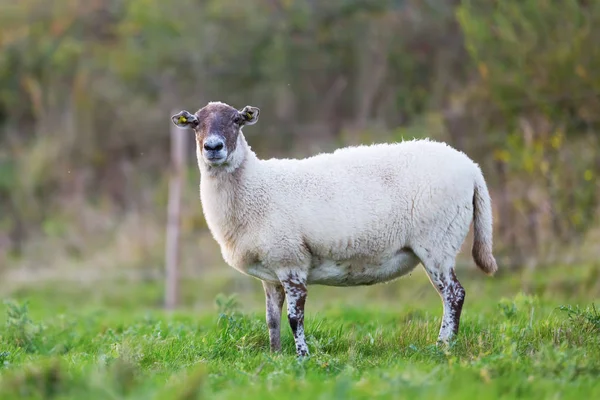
column 367, row 197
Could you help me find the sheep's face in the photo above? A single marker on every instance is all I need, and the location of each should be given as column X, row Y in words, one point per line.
column 217, row 127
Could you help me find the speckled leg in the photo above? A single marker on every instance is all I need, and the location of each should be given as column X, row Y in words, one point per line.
column 295, row 292
column 275, row 296
column 453, row 296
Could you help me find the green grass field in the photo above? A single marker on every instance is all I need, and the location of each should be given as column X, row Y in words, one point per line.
column 527, row 335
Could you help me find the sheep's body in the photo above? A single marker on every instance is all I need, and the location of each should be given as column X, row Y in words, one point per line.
column 357, row 216
column 352, row 217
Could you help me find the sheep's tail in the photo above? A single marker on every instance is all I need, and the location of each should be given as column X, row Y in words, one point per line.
column 482, row 223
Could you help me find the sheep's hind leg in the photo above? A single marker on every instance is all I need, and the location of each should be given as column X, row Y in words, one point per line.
column 274, row 295
column 444, row 279
column 295, row 293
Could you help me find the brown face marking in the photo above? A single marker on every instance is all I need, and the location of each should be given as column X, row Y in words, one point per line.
column 296, row 292
column 275, row 296
column 221, row 120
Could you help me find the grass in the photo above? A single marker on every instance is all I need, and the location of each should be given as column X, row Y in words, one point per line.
column 528, row 335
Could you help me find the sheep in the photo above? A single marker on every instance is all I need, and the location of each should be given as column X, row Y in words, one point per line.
column 360, row 215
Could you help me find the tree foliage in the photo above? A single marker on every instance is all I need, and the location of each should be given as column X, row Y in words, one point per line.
column 86, row 88
column 538, row 66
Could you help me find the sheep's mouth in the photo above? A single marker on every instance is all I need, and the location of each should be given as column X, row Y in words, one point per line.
column 214, row 160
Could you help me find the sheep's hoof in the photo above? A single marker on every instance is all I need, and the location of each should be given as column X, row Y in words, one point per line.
column 446, row 344
column 302, row 355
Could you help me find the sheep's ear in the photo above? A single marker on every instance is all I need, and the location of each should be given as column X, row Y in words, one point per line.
column 184, row 119
column 250, row 115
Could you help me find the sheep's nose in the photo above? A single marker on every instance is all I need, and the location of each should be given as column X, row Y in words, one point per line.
column 213, row 145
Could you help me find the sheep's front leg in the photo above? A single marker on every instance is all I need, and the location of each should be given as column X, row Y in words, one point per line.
column 274, row 295
column 295, row 293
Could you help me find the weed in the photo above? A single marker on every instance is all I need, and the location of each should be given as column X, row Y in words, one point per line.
column 588, row 318
column 20, row 328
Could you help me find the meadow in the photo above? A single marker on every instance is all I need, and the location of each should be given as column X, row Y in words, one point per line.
column 526, row 334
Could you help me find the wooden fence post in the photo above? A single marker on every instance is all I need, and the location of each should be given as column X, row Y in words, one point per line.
column 176, row 184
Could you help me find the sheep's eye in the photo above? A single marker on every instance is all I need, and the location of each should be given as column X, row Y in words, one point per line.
column 237, row 120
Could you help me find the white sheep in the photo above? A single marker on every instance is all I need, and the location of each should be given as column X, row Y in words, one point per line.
column 358, row 216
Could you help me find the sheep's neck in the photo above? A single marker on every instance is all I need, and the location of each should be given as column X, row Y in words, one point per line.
column 222, row 196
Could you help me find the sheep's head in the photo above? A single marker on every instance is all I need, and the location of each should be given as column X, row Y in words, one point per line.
column 217, row 127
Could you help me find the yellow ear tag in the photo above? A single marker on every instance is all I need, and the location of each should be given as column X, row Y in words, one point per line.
column 249, row 114
column 182, row 120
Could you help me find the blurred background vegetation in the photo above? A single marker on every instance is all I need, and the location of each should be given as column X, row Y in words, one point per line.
column 87, row 88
